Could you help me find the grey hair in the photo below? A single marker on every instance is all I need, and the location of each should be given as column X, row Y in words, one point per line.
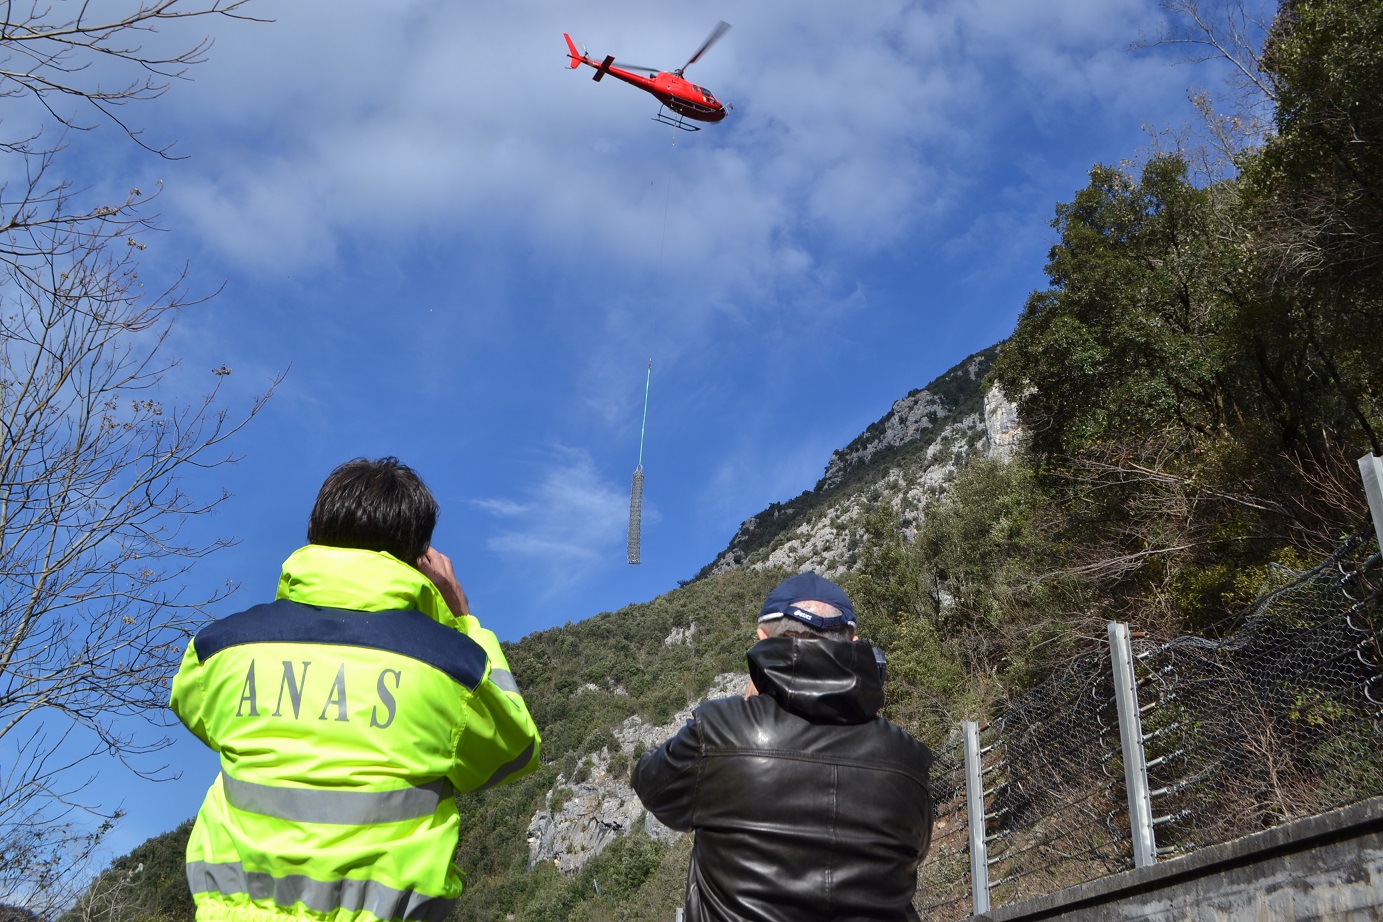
column 791, row 627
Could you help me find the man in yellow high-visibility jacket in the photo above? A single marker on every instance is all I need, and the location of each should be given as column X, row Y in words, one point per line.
column 347, row 713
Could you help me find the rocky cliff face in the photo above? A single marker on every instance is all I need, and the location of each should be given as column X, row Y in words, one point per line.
column 584, row 813
column 903, row 460
column 910, row 418
column 828, row 540
column 905, row 422
column 1000, row 424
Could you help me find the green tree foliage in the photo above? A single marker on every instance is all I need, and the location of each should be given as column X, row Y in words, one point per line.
column 147, row 885
column 1314, row 193
column 1200, row 374
column 1161, row 319
column 1325, row 58
column 892, row 592
column 966, row 609
column 1137, row 334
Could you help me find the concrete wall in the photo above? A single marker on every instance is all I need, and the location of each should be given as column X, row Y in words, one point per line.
column 1328, row 868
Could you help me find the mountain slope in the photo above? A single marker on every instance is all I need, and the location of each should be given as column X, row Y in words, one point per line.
column 903, row 460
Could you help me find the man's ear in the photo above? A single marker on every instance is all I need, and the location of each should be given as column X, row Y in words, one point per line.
column 763, row 635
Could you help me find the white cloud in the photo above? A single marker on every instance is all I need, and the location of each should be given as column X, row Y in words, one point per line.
column 457, row 120
column 571, row 519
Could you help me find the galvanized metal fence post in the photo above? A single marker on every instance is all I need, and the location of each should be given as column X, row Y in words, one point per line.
column 1131, row 739
column 1371, row 469
column 974, row 812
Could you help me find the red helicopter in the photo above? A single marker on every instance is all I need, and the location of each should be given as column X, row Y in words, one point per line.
column 680, row 95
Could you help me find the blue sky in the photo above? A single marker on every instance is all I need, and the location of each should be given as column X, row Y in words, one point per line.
column 465, row 254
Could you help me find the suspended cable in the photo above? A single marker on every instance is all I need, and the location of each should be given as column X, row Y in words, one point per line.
column 636, row 487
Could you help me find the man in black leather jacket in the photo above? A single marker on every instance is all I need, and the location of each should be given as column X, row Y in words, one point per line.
column 804, row 802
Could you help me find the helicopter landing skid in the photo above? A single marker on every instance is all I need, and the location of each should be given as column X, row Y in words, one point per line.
column 678, row 122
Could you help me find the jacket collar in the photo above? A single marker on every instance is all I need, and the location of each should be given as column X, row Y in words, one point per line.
column 823, row 681
column 358, row 580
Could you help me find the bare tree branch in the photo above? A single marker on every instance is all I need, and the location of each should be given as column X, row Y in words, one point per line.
column 93, row 462
column 1231, row 32
column 48, row 55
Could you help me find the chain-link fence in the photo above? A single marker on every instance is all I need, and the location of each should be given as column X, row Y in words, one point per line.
column 1279, row 718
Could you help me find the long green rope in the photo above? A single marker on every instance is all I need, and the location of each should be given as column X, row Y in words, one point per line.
column 644, row 425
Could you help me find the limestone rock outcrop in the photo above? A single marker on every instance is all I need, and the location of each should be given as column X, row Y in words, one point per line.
column 584, row 813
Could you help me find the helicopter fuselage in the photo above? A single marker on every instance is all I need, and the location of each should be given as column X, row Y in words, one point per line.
column 677, row 93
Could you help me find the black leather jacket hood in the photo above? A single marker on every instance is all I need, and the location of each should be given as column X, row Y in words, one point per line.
column 823, row 681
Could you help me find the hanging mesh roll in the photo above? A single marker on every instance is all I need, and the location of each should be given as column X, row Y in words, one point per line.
column 635, row 515
column 636, row 491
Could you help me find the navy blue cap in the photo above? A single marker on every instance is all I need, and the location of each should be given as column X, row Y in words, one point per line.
column 807, row 587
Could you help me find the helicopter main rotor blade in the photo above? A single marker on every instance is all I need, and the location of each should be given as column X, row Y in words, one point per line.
column 652, row 70
column 721, row 28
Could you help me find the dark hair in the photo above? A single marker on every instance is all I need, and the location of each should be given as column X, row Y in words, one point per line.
column 375, row 506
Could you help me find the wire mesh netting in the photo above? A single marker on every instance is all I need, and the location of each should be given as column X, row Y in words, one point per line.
column 636, row 516
column 1279, row 718
column 943, row 881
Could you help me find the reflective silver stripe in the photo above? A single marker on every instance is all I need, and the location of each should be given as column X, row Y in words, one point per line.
column 321, row 896
column 508, row 768
column 339, row 808
column 505, row 680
